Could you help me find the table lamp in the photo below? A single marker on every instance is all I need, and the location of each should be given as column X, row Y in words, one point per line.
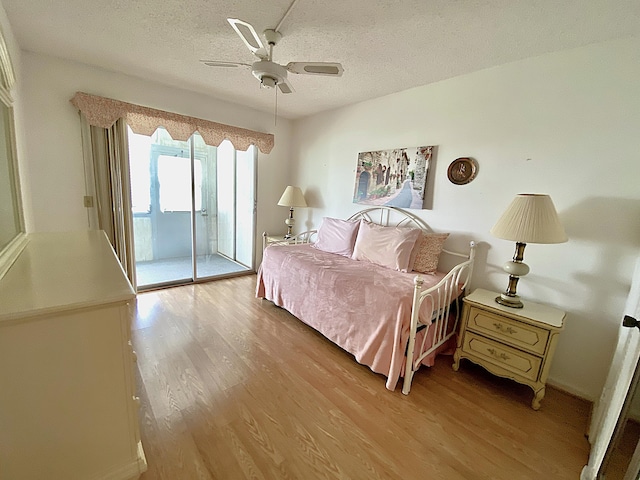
column 530, row 218
column 292, row 197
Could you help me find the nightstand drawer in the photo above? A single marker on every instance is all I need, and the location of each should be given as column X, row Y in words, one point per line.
column 528, row 337
column 515, row 361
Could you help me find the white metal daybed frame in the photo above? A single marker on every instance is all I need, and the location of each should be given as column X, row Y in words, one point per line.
column 444, row 321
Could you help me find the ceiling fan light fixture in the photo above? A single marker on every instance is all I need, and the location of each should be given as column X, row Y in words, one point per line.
column 268, row 82
column 268, row 70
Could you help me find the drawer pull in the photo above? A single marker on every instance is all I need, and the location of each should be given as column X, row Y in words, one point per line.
column 500, row 356
column 501, row 328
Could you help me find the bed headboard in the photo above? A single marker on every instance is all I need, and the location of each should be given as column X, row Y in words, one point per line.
column 381, row 215
column 390, row 217
column 387, row 217
column 396, row 217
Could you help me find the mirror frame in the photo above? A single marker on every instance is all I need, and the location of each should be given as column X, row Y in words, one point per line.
column 12, row 250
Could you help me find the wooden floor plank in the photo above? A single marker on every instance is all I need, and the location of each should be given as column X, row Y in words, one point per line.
column 233, row 387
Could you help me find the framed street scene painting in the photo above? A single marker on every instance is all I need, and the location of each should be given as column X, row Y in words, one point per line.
column 395, row 178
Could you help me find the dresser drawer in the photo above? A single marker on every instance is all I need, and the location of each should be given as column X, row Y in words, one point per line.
column 515, row 361
column 527, row 337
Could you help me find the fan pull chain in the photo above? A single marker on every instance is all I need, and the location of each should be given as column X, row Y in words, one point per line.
column 275, row 113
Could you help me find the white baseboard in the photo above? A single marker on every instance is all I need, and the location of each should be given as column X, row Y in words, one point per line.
column 129, row 471
column 570, row 390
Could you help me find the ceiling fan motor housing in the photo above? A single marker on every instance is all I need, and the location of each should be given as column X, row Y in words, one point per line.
column 269, row 73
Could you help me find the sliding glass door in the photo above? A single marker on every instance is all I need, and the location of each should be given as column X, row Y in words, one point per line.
column 193, row 208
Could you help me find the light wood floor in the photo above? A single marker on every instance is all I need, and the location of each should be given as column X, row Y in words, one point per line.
column 233, row 387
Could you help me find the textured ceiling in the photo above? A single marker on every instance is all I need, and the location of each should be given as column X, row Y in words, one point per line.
column 384, row 46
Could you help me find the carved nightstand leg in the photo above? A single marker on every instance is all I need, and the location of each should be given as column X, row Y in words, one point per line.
column 539, row 395
column 456, row 361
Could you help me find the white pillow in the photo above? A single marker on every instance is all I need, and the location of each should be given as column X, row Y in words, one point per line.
column 389, row 247
column 337, row 236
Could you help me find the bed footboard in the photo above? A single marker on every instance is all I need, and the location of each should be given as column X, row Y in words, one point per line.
column 444, row 321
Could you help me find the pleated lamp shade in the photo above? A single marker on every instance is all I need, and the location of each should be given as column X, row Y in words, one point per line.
column 530, row 218
column 292, row 197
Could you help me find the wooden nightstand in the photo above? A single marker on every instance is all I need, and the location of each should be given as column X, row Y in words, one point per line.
column 514, row 343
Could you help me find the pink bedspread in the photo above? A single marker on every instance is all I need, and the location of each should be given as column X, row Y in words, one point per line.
column 362, row 307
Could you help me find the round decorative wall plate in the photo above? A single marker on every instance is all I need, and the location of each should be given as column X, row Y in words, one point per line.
column 462, row 171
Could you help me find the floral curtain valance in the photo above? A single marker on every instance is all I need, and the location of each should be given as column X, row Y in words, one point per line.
column 103, row 112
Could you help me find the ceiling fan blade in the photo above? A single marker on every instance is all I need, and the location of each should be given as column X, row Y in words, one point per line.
column 249, row 36
column 316, row 68
column 215, row 63
column 285, row 86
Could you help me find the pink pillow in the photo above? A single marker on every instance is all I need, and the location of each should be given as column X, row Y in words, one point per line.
column 389, row 247
column 337, row 236
column 426, row 253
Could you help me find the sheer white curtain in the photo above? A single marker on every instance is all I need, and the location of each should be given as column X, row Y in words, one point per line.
column 106, row 159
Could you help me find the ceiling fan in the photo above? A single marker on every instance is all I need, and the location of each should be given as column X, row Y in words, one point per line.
column 269, row 73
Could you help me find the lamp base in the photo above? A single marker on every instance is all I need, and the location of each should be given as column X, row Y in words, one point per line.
column 516, row 269
column 289, row 222
column 509, row 301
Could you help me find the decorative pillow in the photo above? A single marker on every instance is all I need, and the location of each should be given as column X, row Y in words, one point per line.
column 386, row 246
column 337, row 236
column 427, row 252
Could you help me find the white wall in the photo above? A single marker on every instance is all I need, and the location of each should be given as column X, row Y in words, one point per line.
column 53, row 176
column 566, row 124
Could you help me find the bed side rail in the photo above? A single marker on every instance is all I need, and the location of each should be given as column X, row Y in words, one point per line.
column 444, row 321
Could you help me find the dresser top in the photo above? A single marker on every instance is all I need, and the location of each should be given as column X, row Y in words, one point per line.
column 62, row 271
column 530, row 311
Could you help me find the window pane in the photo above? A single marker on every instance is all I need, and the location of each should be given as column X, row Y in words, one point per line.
column 174, row 180
column 226, row 199
column 245, row 195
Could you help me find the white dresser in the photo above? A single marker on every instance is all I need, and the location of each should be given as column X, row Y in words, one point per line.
column 68, row 408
